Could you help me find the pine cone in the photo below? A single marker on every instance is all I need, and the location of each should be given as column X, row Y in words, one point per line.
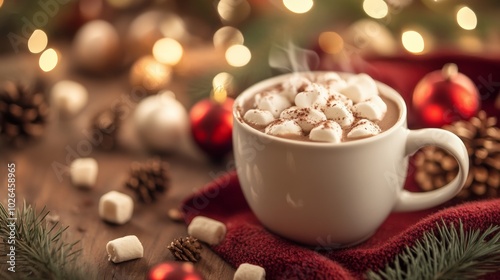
column 107, row 124
column 481, row 136
column 23, row 113
column 185, row 249
column 148, row 179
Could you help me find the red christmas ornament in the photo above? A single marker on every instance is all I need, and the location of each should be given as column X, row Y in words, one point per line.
column 173, row 271
column 212, row 124
column 445, row 96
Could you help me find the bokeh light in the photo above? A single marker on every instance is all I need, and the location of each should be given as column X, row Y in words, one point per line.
column 375, row 8
column 413, row 41
column 38, row 41
column 48, row 60
column 238, row 55
column 227, row 36
column 233, row 11
column 298, row 6
column 173, row 26
column 223, row 80
column 466, row 18
column 168, row 51
column 331, row 42
column 1, row 3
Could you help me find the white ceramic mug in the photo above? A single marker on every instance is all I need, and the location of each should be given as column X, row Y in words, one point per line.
column 335, row 194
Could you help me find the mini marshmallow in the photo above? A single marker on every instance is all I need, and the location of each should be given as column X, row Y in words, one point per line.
column 337, row 111
column 337, row 96
column 83, row 172
column 360, row 88
column 363, row 128
column 332, row 81
column 284, row 128
column 327, row 131
column 373, row 109
column 68, row 97
column 207, row 230
column 314, row 97
column 293, row 85
column 124, row 249
column 258, row 117
column 272, row 102
column 248, row 271
column 116, row 207
column 306, row 118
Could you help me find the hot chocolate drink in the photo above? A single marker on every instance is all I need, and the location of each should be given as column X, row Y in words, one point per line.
column 321, row 107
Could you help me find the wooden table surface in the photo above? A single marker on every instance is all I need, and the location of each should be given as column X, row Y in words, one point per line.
column 38, row 183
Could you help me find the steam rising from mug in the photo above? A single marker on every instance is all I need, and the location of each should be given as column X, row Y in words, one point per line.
column 290, row 58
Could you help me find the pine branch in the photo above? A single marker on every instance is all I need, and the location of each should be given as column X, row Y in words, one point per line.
column 447, row 254
column 40, row 251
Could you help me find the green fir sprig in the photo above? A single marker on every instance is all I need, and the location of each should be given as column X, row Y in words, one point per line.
column 40, row 251
column 447, row 254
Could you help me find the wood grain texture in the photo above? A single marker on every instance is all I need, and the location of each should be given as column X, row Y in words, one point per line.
column 38, row 182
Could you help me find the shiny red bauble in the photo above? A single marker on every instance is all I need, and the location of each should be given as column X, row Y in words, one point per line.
column 445, row 96
column 212, row 126
column 173, row 271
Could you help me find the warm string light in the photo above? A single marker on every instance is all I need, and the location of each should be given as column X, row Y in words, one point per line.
column 298, row 6
column 238, row 55
column 413, row 41
column 48, row 60
column 331, row 42
column 227, row 36
column 375, row 8
column 38, row 41
column 168, row 51
column 219, row 94
column 231, row 11
column 466, row 18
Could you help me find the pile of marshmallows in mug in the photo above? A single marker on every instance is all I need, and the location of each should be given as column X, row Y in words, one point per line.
column 324, row 109
column 117, row 208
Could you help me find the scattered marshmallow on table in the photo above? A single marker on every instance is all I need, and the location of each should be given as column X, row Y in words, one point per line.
column 124, row 249
column 328, row 131
column 116, row 207
column 207, row 230
column 248, row 271
column 83, row 172
column 68, row 97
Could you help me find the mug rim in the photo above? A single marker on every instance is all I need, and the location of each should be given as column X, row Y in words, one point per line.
column 384, row 90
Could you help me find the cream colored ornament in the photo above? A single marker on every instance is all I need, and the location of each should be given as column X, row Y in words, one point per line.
column 161, row 122
column 96, row 46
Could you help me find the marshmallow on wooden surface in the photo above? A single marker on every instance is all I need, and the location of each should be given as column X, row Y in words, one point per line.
column 207, row 230
column 306, row 118
column 83, row 172
column 360, row 88
column 116, row 207
column 248, row 271
column 314, row 97
column 284, row 128
column 68, row 97
column 337, row 111
column 124, row 249
column 362, row 129
column 327, row 131
column 258, row 117
column 272, row 102
column 373, row 109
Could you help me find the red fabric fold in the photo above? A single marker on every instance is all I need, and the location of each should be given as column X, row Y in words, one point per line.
column 248, row 241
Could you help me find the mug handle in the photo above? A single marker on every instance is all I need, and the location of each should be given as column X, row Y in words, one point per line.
column 411, row 201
